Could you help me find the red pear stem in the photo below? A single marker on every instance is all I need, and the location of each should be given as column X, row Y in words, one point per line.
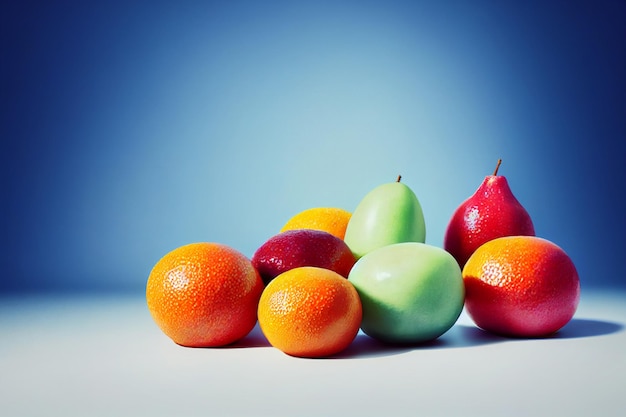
column 399, row 178
column 497, row 167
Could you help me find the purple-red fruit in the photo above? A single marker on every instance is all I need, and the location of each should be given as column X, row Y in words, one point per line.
column 302, row 247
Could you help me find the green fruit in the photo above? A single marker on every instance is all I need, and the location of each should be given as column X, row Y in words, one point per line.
column 390, row 213
column 411, row 292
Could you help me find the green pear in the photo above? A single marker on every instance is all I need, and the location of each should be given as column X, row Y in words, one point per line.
column 388, row 214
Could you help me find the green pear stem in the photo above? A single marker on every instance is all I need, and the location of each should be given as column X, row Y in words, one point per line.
column 399, row 178
column 497, row 167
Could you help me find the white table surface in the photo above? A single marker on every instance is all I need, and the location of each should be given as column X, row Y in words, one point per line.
column 103, row 356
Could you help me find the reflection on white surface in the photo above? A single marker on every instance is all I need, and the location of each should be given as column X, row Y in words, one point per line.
column 91, row 356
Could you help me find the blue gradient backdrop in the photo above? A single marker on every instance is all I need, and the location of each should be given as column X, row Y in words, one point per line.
column 131, row 128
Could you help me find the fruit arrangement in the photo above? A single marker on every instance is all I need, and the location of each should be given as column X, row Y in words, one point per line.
column 329, row 273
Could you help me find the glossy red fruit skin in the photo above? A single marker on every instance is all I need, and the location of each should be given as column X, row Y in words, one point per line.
column 302, row 247
column 491, row 212
column 536, row 305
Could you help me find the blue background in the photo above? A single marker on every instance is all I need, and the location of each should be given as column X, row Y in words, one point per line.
column 131, row 128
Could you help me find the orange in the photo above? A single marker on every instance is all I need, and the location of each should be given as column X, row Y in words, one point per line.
column 310, row 312
column 204, row 295
column 328, row 219
column 522, row 286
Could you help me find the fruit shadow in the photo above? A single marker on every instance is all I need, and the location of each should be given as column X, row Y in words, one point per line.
column 255, row 338
column 365, row 346
column 578, row 328
column 465, row 336
column 459, row 336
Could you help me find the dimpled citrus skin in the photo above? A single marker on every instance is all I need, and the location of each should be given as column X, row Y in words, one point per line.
column 310, row 312
column 522, row 286
column 204, row 295
column 328, row 219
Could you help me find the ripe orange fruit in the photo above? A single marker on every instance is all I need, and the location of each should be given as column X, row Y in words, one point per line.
column 310, row 312
column 204, row 295
column 328, row 219
column 521, row 286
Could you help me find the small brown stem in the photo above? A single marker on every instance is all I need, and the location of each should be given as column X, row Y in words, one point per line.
column 399, row 178
column 497, row 167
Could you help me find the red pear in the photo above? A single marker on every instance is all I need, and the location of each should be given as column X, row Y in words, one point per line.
column 491, row 212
